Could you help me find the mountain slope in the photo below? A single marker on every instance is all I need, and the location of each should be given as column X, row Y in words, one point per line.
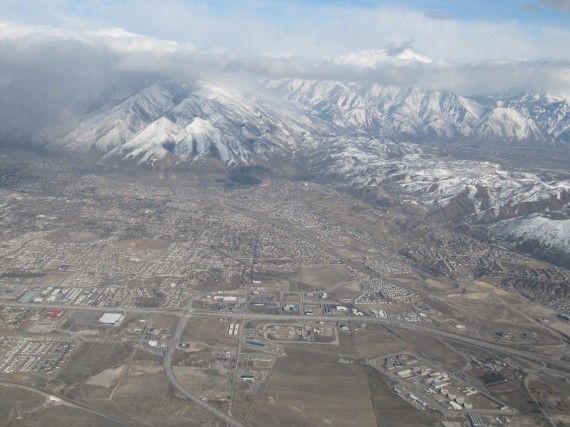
column 411, row 113
column 188, row 122
column 384, row 141
column 201, row 120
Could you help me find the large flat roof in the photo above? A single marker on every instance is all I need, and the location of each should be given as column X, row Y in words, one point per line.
column 110, row 318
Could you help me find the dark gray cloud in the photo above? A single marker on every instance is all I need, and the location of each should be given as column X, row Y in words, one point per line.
column 438, row 15
column 528, row 7
column 557, row 4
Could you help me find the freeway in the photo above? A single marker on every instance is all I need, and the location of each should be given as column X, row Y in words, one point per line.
column 176, row 383
column 188, row 313
column 552, row 362
column 60, row 306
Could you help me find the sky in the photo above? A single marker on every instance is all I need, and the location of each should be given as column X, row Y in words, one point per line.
column 469, row 46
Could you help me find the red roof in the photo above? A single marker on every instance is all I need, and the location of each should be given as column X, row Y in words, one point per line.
column 54, row 314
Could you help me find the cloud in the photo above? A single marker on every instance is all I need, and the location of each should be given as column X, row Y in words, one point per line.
column 401, row 54
column 438, row 15
column 54, row 63
column 557, row 4
column 527, row 7
column 315, row 28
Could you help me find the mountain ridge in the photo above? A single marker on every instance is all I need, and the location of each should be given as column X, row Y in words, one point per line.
column 291, row 114
column 382, row 141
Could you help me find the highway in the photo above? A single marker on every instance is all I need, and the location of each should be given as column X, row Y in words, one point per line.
column 174, row 381
column 187, row 313
column 60, row 306
column 553, row 362
column 396, row 324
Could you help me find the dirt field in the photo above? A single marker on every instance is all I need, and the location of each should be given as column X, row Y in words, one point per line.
column 91, row 358
column 554, row 395
column 144, row 244
column 209, row 331
column 393, row 411
column 153, row 402
column 431, row 348
column 325, row 276
column 26, row 408
column 376, row 341
column 16, row 402
column 314, row 391
column 64, row 416
column 209, row 384
column 63, row 236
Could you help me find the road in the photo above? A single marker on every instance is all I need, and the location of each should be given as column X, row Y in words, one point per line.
column 174, row 381
column 60, row 306
column 188, row 313
column 552, row 362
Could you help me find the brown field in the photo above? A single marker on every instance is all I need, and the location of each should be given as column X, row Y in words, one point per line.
column 152, row 401
column 209, row 383
column 310, row 390
column 376, row 341
column 91, row 358
column 553, row 393
column 64, row 236
column 391, row 410
column 64, row 416
column 325, row 276
column 432, row 348
column 209, row 331
column 144, row 244
column 23, row 408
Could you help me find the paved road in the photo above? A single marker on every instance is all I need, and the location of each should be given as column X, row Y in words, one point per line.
column 60, row 306
column 174, row 381
column 187, row 313
column 552, row 362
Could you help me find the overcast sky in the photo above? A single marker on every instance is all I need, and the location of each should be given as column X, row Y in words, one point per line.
column 470, row 46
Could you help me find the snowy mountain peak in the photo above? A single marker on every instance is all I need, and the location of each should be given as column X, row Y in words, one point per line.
column 186, row 121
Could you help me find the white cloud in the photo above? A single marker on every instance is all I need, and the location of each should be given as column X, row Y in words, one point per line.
column 73, row 54
column 309, row 28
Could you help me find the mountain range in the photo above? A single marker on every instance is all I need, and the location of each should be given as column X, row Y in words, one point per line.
column 190, row 121
column 379, row 140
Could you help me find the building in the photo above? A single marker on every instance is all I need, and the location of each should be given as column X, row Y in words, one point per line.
column 111, row 319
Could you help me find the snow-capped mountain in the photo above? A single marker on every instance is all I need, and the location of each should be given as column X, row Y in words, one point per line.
column 411, row 113
column 188, row 122
column 480, row 192
column 199, row 120
column 551, row 115
column 539, row 234
column 379, row 139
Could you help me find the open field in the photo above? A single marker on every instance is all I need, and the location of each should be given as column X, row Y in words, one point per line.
column 312, row 391
column 213, row 384
column 376, row 340
column 91, row 358
column 26, row 408
column 390, row 409
column 209, row 331
column 325, row 276
column 150, row 399
column 144, row 244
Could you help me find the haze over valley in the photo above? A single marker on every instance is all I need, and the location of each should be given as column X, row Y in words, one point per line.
column 247, row 230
